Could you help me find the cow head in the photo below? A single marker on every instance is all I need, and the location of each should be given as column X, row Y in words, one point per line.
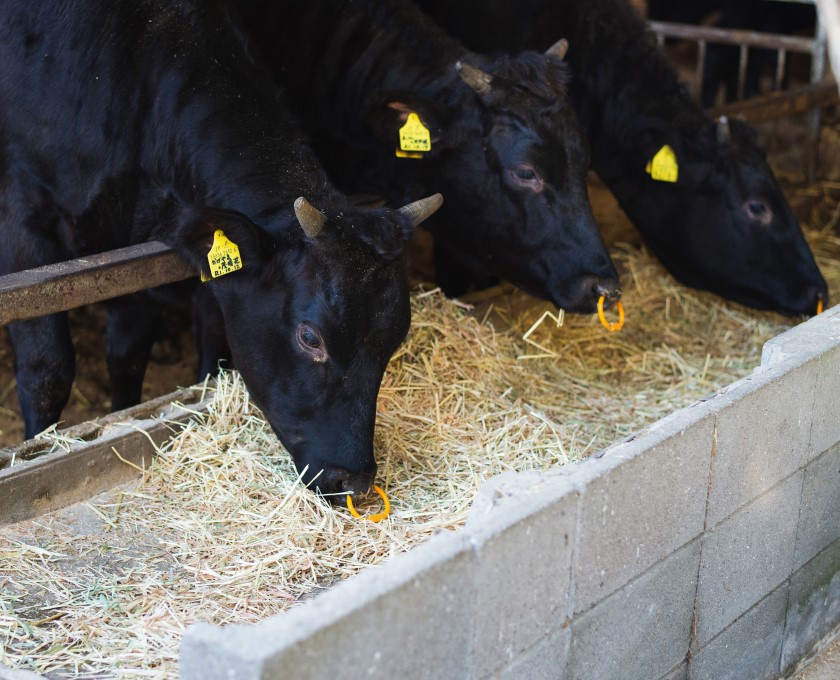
column 509, row 155
column 725, row 225
column 312, row 318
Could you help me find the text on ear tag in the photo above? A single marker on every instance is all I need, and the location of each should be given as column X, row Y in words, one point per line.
column 414, row 136
column 663, row 166
column 223, row 256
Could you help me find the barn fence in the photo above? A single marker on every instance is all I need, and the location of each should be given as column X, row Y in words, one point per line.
column 37, row 476
column 780, row 104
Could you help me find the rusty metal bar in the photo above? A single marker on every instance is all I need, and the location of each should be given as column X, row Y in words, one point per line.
column 724, row 36
column 743, row 58
column 66, row 285
column 818, row 58
column 780, row 104
column 781, row 59
column 781, row 44
column 33, row 482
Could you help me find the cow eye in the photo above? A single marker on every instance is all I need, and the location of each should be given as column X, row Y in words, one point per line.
column 311, row 342
column 524, row 175
column 758, row 211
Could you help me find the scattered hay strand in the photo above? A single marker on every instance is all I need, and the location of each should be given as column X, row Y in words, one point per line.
column 220, row 528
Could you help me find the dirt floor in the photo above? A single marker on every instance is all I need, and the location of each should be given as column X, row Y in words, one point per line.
column 173, row 366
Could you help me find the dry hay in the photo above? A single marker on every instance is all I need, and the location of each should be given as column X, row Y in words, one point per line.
column 219, row 529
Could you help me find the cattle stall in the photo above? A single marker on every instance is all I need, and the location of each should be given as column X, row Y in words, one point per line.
column 565, row 501
column 469, row 398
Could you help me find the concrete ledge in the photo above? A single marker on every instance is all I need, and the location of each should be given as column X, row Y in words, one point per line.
column 750, row 647
column 523, row 546
column 641, row 631
column 746, row 557
column 384, row 618
column 705, row 542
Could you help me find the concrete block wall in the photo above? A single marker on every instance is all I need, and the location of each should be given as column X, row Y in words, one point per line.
column 705, row 546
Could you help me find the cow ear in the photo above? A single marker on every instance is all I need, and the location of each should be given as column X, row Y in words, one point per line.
column 389, row 233
column 220, row 242
column 392, row 112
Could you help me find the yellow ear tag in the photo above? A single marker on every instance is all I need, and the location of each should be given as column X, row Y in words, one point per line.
column 414, row 137
column 223, row 256
column 663, row 166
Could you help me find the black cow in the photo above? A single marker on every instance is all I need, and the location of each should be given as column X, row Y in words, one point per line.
column 123, row 121
column 506, row 149
column 724, row 225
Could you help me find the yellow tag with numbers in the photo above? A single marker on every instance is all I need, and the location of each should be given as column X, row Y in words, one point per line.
column 224, row 256
column 414, row 136
column 663, row 166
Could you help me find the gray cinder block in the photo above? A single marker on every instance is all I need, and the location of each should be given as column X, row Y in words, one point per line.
column 749, row 648
column 678, row 673
column 825, row 430
column 642, row 631
column 815, row 341
column 803, row 342
column 819, row 517
column 523, row 543
column 814, row 605
column 627, row 511
column 746, row 557
column 763, row 429
column 545, row 661
column 414, row 621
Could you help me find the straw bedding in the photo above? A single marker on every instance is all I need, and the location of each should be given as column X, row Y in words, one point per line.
column 219, row 528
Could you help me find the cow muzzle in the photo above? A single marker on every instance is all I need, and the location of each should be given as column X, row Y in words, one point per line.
column 610, row 290
column 336, row 483
column 587, row 290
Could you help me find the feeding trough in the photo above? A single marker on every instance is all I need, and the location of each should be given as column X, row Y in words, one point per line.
column 530, row 567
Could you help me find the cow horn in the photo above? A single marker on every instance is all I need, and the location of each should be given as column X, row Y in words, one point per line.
column 558, row 49
column 723, row 133
column 477, row 79
column 420, row 210
column 311, row 219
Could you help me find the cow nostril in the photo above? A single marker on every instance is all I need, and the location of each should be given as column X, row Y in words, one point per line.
column 336, row 483
column 611, row 293
column 332, row 480
column 359, row 484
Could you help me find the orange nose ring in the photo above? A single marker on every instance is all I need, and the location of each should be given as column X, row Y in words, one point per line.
column 611, row 327
column 372, row 518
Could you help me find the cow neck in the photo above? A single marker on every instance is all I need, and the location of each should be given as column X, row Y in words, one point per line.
column 239, row 151
column 628, row 86
column 358, row 52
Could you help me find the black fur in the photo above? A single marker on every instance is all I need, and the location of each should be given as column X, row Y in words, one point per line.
column 123, row 121
column 725, row 225
column 354, row 70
